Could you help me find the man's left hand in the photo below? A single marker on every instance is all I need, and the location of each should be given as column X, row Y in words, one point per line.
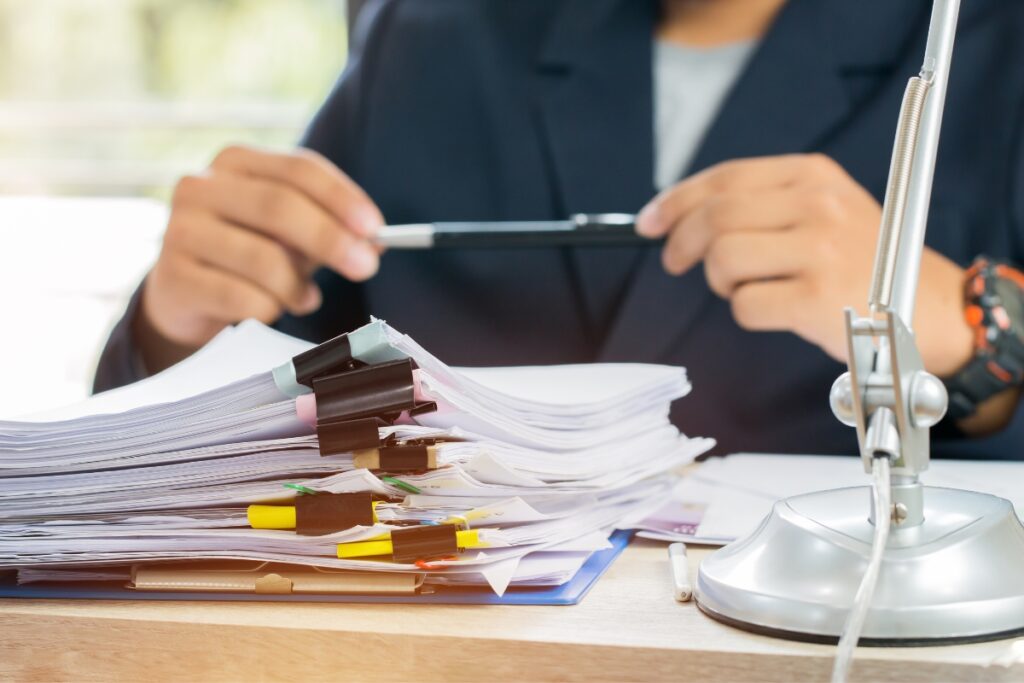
column 790, row 242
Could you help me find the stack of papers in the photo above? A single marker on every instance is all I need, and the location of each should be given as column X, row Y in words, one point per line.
column 518, row 473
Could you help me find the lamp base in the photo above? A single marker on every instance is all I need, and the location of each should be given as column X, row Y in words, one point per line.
column 957, row 577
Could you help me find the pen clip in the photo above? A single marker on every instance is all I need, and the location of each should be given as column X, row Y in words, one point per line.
column 591, row 220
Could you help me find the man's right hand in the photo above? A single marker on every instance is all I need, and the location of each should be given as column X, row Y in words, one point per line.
column 243, row 241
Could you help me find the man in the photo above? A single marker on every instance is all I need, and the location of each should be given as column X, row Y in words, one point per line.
column 766, row 125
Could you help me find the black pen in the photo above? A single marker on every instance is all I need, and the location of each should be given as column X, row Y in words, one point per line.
column 582, row 230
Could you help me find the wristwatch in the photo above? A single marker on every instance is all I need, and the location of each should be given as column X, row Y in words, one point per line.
column 994, row 308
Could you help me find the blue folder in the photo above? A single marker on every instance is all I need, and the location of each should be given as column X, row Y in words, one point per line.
column 569, row 593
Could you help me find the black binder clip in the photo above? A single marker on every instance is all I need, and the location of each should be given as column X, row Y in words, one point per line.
column 326, row 513
column 384, row 390
column 329, row 358
column 424, row 543
column 400, row 458
column 349, row 435
column 352, row 405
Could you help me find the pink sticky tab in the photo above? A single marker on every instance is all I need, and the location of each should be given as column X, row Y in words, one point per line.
column 305, row 409
column 417, row 386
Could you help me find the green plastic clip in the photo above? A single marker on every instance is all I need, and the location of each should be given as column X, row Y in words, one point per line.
column 405, row 486
column 301, row 489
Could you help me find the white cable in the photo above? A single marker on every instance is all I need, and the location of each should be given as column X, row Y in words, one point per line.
column 882, row 494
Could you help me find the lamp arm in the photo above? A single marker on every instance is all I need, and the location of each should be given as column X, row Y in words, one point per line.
column 938, row 58
column 887, row 394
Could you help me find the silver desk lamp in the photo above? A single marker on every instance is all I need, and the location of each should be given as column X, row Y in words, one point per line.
column 948, row 564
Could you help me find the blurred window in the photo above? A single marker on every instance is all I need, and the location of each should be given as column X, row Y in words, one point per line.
column 103, row 105
column 123, row 96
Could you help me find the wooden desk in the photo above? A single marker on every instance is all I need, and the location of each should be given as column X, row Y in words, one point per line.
column 628, row 628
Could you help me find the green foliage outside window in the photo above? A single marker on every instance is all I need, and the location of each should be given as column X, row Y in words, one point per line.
column 176, row 78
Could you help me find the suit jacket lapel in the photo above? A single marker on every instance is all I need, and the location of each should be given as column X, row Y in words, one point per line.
column 595, row 111
column 790, row 97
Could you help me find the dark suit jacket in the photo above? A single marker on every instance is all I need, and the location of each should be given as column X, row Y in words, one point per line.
column 533, row 109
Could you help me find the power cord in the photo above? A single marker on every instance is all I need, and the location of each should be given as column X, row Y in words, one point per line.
column 882, row 495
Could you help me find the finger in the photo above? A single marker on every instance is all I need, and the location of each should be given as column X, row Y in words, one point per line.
column 284, row 214
column 222, row 298
column 689, row 241
column 741, row 175
column 768, row 305
column 739, row 258
column 249, row 255
column 302, row 264
column 314, row 176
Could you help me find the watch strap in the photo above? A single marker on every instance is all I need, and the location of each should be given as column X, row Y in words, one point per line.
column 994, row 308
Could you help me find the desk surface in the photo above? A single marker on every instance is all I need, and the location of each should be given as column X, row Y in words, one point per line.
column 628, row 628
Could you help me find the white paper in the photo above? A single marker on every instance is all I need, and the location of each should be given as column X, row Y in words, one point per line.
column 545, row 462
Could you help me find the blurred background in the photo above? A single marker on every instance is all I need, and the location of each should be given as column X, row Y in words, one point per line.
column 103, row 105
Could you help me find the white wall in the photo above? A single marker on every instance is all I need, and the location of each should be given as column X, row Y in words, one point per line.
column 67, row 267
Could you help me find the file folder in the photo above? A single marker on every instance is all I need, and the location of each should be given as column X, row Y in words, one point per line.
column 569, row 593
column 266, row 578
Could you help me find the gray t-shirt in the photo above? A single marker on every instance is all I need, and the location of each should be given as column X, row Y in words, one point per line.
column 690, row 85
